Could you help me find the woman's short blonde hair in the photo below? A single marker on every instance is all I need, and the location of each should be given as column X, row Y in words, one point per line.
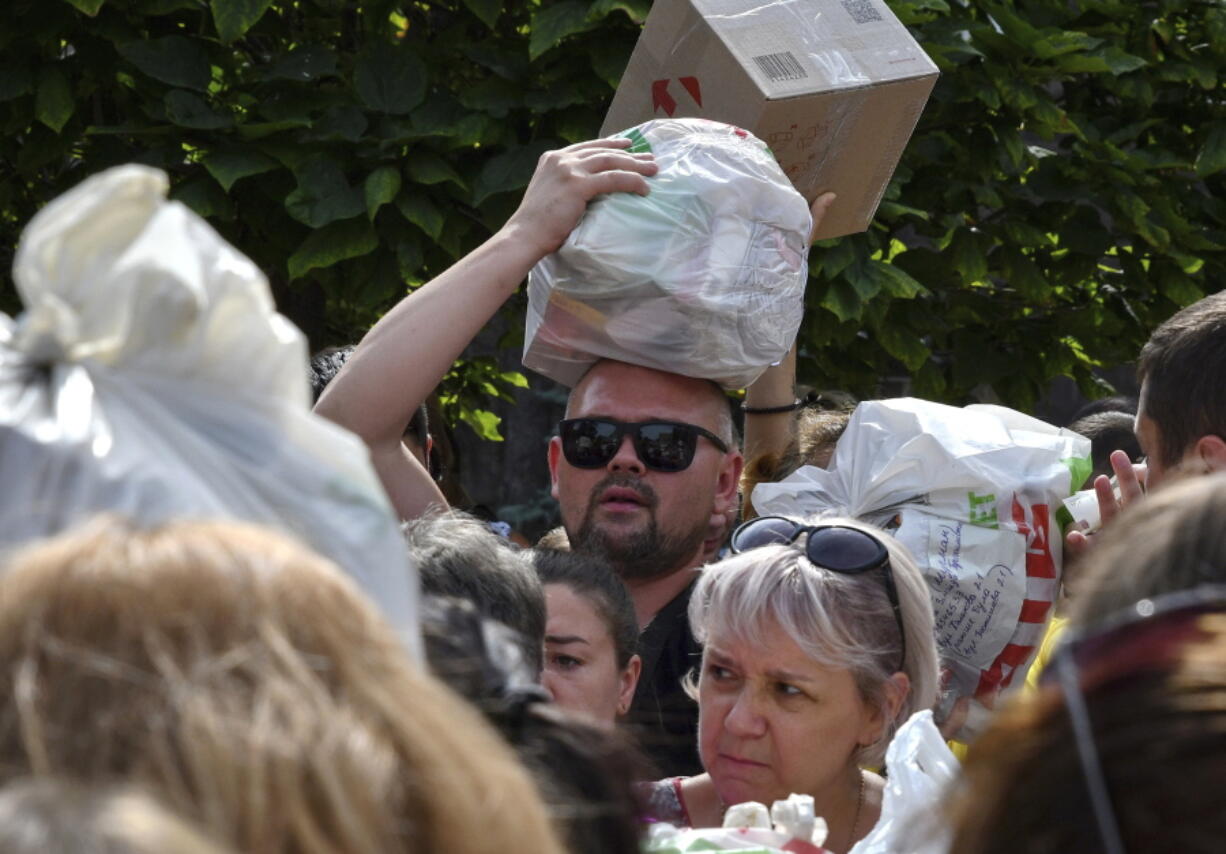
column 249, row 684
column 841, row 621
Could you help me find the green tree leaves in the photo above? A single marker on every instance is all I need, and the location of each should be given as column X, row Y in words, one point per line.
column 1062, row 194
column 234, row 17
column 177, row 60
column 390, row 78
column 380, row 188
column 54, row 104
column 331, row 245
column 323, row 194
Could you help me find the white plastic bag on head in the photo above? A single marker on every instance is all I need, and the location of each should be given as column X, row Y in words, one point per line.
column 920, row 768
column 705, row 276
column 975, row 495
column 151, row 376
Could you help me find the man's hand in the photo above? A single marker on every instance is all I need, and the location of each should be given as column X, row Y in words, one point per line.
column 820, row 205
column 567, row 179
column 1131, row 480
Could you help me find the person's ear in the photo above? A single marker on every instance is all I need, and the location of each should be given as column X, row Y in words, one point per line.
column 877, row 723
column 628, row 681
column 555, row 456
column 729, row 481
column 1211, row 451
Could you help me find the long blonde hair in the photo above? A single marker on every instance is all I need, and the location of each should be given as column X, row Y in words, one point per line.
column 249, row 685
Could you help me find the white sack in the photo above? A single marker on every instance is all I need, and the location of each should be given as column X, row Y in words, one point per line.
column 151, row 376
column 921, row 769
column 974, row 494
column 705, row 276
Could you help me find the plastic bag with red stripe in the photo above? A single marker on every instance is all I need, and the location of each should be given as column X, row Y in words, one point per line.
column 975, row 494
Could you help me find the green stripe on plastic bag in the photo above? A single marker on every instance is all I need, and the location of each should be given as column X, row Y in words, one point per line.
column 1079, row 468
column 639, row 141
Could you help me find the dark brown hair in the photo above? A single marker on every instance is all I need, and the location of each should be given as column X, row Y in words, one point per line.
column 1159, row 737
column 1184, row 367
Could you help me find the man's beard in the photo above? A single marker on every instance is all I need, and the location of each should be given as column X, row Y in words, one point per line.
column 643, row 554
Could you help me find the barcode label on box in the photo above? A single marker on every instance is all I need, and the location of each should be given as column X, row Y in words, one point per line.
column 781, row 66
column 861, row 11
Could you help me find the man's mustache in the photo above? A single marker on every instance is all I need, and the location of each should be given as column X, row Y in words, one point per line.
column 627, row 481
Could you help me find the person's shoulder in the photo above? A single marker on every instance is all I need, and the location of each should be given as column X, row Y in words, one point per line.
column 662, row 799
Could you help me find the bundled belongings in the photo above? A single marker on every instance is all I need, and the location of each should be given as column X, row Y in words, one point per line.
column 704, row 276
column 975, row 494
column 151, row 376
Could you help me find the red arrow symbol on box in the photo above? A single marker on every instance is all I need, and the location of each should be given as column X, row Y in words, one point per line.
column 691, row 86
column 661, row 98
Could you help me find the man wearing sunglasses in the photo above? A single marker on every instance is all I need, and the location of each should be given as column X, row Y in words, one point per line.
column 641, row 463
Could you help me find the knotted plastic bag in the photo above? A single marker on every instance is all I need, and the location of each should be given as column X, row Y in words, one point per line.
column 974, row 494
column 151, row 376
column 704, row 276
column 920, row 769
column 789, row 826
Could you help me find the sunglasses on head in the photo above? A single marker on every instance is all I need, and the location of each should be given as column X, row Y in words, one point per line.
column 666, row 446
column 838, row 548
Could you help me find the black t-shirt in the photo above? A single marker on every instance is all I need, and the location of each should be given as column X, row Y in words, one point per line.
column 662, row 716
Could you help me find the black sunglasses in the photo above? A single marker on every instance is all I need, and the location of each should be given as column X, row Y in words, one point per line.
column 847, row 551
column 667, row 446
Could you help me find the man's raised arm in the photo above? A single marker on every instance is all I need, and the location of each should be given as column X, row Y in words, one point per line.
column 407, row 353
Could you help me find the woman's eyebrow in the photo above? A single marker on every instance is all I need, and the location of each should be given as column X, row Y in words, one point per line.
column 788, row 676
column 565, row 639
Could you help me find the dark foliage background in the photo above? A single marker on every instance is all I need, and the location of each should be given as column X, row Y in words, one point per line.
column 1063, row 193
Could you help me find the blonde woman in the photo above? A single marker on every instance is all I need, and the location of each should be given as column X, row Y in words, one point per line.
column 818, row 642
column 248, row 685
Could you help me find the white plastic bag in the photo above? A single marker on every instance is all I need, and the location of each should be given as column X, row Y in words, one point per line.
column 705, row 276
column 151, row 376
column 920, row 769
column 790, row 825
column 974, row 494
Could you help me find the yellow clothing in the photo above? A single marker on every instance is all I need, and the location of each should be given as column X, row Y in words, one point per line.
column 1051, row 638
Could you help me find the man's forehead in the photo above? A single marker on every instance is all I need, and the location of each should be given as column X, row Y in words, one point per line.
column 633, row 393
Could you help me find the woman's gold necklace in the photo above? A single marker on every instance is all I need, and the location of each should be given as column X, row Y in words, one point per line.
column 851, row 838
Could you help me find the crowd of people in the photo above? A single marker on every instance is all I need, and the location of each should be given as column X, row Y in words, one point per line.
column 668, row 653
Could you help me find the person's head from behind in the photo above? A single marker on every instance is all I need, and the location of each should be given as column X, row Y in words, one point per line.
column 251, row 685
column 52, row 816
column 591, row 635
column 816, row 434
column 458, row 555
column 1181, row 417
column 1120, row 749
column 818, row 634
column 324, row 367
column 1172, row 541
column 1107, row 432
column 585, row 772
column 643, row 462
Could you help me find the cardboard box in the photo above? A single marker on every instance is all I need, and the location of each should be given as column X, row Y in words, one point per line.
column 834, row 87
